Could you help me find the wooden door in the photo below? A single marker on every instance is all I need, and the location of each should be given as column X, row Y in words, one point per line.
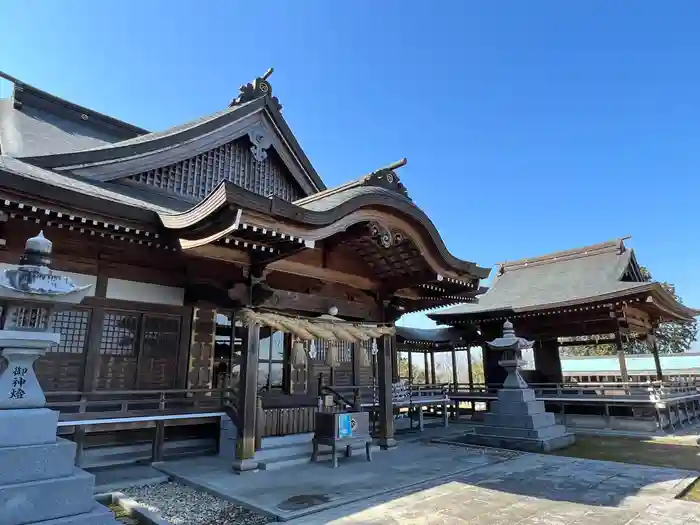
column 157, row 360
column 119, row 351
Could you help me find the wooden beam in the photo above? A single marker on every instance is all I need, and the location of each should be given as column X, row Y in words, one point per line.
column 285, row 266
column 284, row 300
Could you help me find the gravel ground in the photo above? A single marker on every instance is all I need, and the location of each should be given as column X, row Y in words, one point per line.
column 181, row 505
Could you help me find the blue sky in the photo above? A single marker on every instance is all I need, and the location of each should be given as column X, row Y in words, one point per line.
column 529, row 126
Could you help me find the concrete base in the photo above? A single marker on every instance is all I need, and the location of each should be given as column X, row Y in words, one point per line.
column 27, row 426
column 36, row 462
column 241, row 466
column 386, row 444
column 33, row 501
column 524, row 444
column 518, row 421
column 39, row 483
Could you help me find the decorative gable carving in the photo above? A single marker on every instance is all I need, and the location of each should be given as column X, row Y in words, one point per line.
column 248, row 162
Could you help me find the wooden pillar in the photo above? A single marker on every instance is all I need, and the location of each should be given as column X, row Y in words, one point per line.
column 386, row 345
column 183, row 354
column 455, row 375
column 427, row 368
column 92, row 356
column 621, row 357
column 432, row 369
column 247, row 392
column 410, row 367
column 548, row 361
column 469, row 369
column 494, row 374
column 651, row 342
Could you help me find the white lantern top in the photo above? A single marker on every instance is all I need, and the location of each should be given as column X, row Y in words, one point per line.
column 39, row 244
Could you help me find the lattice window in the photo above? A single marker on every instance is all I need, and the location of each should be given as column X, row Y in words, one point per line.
column 161, row 336
column 344, row 350
column 24, row 317
column 197, row 177
column 73, row 326
column 119, row 333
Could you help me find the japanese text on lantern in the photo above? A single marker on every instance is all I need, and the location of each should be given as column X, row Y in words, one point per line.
column 18, row 382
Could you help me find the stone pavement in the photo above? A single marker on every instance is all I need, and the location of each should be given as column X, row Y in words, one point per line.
column 531, row 489
column 430, row 483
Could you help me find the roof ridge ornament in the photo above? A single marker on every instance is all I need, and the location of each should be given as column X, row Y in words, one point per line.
column 260, row 87
column 386, row 177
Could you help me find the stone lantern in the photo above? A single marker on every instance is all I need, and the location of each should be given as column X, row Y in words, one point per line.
column 39, row 482
column 511, row 347
column 517, row 419
column 33, row 293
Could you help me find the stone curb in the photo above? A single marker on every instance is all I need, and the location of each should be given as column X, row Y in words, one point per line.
column 132, row 507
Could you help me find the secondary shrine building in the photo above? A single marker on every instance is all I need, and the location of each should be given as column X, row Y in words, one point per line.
column 215, row 254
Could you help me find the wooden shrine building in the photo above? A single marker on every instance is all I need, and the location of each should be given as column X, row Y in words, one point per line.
column 430, row 341
column 213, row 249
column 596, row 290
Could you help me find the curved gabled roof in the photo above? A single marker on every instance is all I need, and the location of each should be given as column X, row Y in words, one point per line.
column 378, row 196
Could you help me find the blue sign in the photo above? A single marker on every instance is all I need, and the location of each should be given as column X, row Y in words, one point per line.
column 345, row 425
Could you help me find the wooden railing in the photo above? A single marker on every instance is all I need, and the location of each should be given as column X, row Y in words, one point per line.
column 128, row 403
column 650, row 391
column 670, row 401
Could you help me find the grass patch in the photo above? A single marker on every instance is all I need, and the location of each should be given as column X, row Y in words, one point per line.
column 693, row 492
column 680, row 452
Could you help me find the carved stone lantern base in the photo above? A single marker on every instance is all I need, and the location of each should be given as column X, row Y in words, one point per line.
column 19, row 387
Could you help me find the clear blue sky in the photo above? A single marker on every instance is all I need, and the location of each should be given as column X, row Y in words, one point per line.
column 529, row 126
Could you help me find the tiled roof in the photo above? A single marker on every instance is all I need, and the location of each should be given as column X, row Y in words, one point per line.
column 134, row 197
column 554, row 279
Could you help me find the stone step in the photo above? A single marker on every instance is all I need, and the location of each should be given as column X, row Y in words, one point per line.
column 36, row 462
column 527, row 445
column 283, row 451
column 292, row 439
column 524, row 433
column 325, row 454
column 524, row 421
column 32, row 501
column 98, row 515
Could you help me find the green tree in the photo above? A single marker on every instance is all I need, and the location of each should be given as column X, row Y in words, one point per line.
column 671, row 338
column 418, row 374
